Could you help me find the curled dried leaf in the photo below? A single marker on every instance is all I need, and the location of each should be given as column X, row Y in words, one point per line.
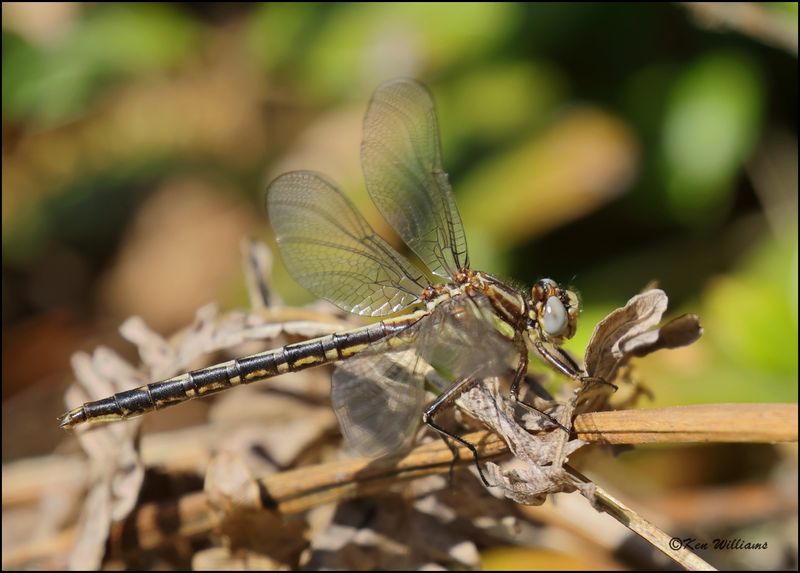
column 541, row 455
column 678, row 332
column 604, row 353
column 629, row 331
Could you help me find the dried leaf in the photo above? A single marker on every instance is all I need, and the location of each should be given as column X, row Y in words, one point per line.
column 257, row 264
column 230, row 485
column 273, row 428
column 265, row 533
column 197, row 339
column 532, row 484
column 604, row 354
column 117, row 468
column 497, row 414
column 629, row 332
column 153, row 349
column 235, row 495
column 467, row 501
column 678, row 332
column 541, row 455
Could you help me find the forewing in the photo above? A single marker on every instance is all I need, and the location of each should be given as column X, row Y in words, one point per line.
column 332, row 251
column 402, row 162
column 378, row 401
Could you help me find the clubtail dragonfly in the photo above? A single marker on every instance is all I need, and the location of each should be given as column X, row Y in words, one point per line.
column 461, row 325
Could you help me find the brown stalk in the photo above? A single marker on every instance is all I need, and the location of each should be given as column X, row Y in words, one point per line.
column 643, row 528
column 732, row 423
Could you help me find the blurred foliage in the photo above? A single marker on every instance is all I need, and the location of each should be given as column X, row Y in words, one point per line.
column 602, row 145
column 47, row 84
column 713, row 119
column 343, row 42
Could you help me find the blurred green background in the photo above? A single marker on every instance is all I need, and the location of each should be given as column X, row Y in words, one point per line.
column 605, row 146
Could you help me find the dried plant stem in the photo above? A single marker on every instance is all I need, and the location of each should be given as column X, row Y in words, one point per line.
column 351, row 478
column 742, row 423
column 640, row 526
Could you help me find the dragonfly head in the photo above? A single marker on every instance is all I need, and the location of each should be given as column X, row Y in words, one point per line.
column 553, row 311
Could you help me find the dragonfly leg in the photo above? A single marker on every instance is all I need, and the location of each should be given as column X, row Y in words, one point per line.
column 445, row 399
column 566, row 365
column 454, row 451
column 567, row 357
column 585, row 379
column 519, row 375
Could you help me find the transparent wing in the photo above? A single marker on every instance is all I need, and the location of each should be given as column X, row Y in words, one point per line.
column 461, row 340
column 379, row 397
column 402, row 162
column 378, row 400
column 332, row 251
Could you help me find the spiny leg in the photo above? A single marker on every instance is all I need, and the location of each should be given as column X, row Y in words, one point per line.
column 519, row 375
column 584, row 379
column 445, row 399
column 567, row 366
column 567, row 357
column 454, row 451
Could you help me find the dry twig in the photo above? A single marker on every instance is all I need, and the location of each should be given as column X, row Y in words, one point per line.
column 603, row 500
column 722, row 423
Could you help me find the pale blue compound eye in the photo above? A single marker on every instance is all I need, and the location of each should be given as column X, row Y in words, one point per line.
column 555, row 317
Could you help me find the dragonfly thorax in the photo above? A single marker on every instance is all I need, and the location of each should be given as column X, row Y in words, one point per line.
column 507, row 303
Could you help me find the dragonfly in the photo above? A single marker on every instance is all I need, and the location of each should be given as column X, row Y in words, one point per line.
column 440, row 326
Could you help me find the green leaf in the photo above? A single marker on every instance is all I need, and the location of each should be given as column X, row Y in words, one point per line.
column 713, row 119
